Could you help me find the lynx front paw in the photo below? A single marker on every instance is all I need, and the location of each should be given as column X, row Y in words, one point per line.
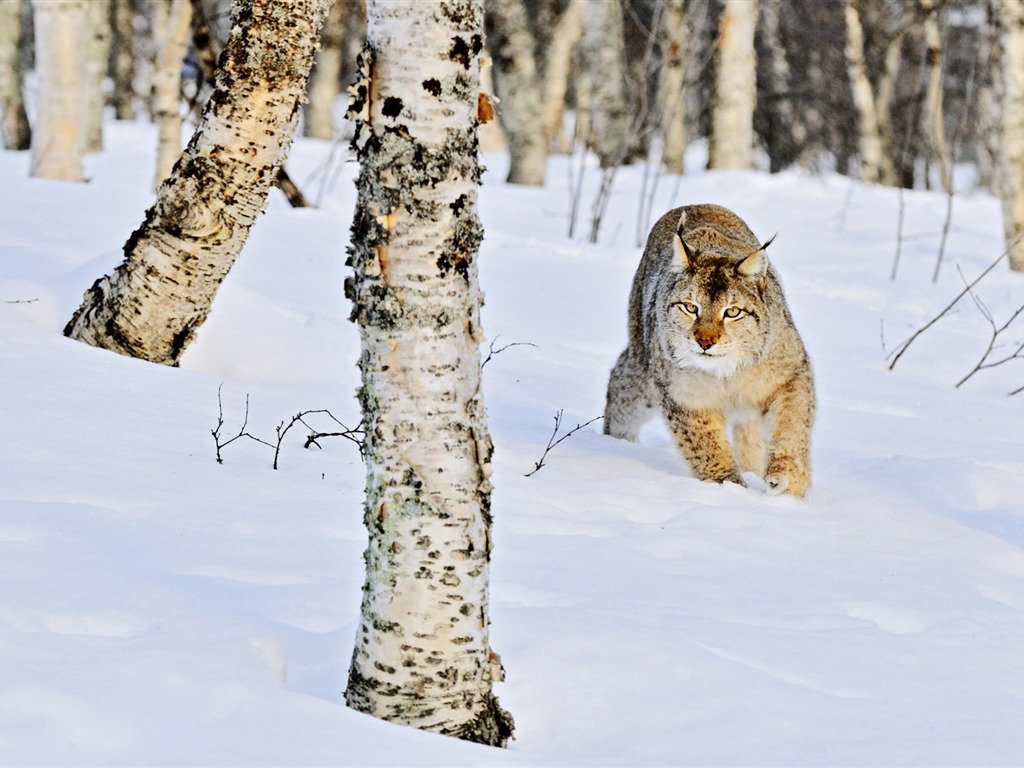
column 785, row 475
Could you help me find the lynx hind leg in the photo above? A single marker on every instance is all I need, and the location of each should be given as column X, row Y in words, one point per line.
column 749, row 446
column 629, row 404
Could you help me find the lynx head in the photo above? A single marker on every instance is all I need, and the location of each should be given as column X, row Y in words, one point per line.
column 714, row 312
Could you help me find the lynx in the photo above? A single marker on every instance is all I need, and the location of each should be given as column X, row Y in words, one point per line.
column 713, row 346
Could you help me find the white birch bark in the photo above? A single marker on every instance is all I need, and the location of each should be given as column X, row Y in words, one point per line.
column 731, row 143
column 558, row 71
column 1012, row 126
column 987, row 103
column 932, row 114
column 153, row 302
column 14, row 127
column 875, row 163
column 672, row 81
column 422, row 653
column 173, row 19
column 58, row 141
column 603, row 58
column 97, row 61
column 324, row 80
column 518, row 87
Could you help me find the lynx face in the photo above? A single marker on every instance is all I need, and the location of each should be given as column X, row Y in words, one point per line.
column 713, row 315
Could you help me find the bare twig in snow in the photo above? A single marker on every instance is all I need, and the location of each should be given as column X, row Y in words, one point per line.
column 552, row 442
column 491, row 352
column 241, row 432
column 354, row 434
column 898, row 352
column 984, row 363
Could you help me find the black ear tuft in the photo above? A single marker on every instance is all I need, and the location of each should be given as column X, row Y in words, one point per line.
column 769, row 241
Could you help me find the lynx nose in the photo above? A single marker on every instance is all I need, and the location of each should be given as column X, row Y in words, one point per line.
column 706, row 339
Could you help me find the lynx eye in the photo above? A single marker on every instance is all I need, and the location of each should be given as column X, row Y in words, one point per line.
column 732, row 312
column 690, row 309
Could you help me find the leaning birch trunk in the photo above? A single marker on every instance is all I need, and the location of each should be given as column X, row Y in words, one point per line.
column 875, row 164
column 1012, row 127
column 422, row 653
column 932, row 114
column 174, row 19
column 324, row 80
column 96, row 72
column 518, row 88
column 603, row 57
column 731, row 143
column 58, row 141
column 14, row 127
column 156, row 299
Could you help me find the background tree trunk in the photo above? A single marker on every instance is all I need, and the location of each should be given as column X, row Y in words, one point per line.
column 173, row 20
column 422, row 654
column 875, row 163
column 325, row 79
column 58, row 141
column 122, row 58
column 603, row 60
column 787, row 134
column 1011, row 25
column 558, row 72
column 97, row 62
column 518, row 87
column 932, row 114
column 152, row 304
column 731, row 143
column 14, row 126
column 672, row 84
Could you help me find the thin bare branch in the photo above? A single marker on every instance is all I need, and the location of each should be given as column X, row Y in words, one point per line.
column 902, row 348
column 552, row 441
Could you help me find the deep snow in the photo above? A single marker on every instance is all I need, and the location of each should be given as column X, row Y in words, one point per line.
column 157, row 608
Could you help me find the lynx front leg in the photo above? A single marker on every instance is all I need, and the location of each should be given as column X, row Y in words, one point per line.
column 789, row 452
column 704, row 443
column 629, row 404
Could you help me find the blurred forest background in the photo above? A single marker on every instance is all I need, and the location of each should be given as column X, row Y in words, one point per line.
column 898, row 92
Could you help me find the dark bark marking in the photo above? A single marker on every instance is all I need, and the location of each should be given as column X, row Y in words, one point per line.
column 392, row 107
column 432, row 86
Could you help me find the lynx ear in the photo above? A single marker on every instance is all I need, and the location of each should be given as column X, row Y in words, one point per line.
column 755, row 265
column 683, row 254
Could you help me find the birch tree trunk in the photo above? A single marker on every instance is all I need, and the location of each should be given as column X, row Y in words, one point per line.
column 731, row 143
column 14, row 126
column 122, row 62
column 518, row 87
column 1011, row 25
column 173, row 19
column 422, row 654
column 787, row 129
column 58, row 141
column 97, row 61
column 156, row 299
column 603, row 57
column 324, row 80
column 932, row 115
column 558, row 71
column 875, row 163
column 671, row 87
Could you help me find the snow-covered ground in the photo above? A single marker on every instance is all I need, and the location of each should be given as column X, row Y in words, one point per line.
column 157, row 608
